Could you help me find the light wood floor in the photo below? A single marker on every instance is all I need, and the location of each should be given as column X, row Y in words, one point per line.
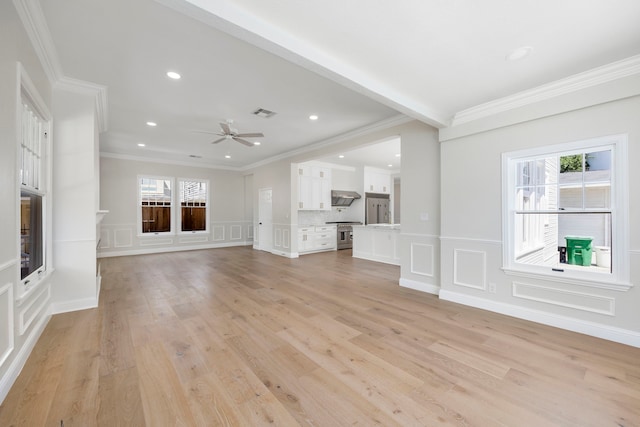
column 243, row 338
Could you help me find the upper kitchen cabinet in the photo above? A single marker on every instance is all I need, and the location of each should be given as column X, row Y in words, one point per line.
column 377, row 181
column 314, row 187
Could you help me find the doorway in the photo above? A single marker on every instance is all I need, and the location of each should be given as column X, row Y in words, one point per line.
column 265, row 219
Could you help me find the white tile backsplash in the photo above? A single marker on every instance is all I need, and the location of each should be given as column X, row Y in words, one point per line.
column 321, row 217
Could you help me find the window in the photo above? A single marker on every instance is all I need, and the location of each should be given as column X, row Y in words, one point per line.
column 565, row 211
column 193, row 205
column 33, row 137
column 155, row 203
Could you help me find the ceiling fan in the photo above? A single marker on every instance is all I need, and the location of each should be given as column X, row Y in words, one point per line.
column 228, row 133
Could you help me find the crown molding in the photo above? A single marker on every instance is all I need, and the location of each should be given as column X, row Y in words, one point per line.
column 157, row 160
column 597, row 76
column 83, row 87
column 35, row 25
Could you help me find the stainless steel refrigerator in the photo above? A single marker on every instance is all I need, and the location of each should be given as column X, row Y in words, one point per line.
column 377, row 209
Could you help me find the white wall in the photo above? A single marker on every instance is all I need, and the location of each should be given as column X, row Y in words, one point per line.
column 21, row 320
column 472, row 224
column 228, row 208
column 75, row 147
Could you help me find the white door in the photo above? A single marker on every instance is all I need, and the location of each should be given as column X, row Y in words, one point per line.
column 265, row 224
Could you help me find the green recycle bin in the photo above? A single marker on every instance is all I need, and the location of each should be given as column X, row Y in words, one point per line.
column 579, row 250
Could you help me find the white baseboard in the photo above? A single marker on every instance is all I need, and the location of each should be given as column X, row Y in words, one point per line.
column 75, row 305
column 611, row 333
column 7, row 380
column 420, row 286
column 147, row 251
column 285, row 254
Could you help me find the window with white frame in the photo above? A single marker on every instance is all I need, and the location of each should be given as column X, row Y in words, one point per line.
column 565, row 210
column 33, row 189
column 155, row 198
column 193, row 212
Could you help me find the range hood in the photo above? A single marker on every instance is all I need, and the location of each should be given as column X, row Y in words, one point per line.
column 343, row 198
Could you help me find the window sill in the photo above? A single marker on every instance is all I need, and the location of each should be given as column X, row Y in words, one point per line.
column 32, row 287
column 561, row 277
column 158, row 234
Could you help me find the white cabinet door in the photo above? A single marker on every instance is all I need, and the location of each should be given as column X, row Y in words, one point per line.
column 377, row 182
column 305, row 192
column 314, row 188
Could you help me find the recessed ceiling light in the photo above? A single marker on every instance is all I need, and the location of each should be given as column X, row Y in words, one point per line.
column 173, row 75
column 227, row 156
column 257, row 143
column 341, row 156
column 398, row 155
column 152, row 124
column 141, row 144
column 390, row 166
column 519, row 53
column 313, row 117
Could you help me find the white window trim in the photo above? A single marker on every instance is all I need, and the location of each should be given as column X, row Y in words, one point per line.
column 619, row 279
column 26, row 87
column 172, row 223
column 178, row 203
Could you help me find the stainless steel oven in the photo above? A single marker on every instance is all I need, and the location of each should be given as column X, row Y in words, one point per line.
column 345, row 233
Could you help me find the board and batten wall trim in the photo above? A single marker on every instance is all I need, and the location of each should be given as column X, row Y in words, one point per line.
column 121, row 240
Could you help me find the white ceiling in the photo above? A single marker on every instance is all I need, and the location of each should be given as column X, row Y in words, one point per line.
column 353, row 63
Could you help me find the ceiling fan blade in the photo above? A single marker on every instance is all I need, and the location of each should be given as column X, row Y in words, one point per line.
column 243, row 141
column 218, row 140
column 225, row 128
column 250, row 135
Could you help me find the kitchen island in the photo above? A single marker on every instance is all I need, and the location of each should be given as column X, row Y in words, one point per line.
column 377, row 242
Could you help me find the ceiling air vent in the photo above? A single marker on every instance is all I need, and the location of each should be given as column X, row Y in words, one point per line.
column 261, row 112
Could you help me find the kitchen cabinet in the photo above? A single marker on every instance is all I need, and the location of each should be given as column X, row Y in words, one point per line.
column 380, row 242
column 377, row 181
column 317, row 238
column 314, row 188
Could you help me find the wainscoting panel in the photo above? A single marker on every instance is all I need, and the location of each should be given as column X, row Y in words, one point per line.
column 277, row 238
column 30, row 311
column 218, row 233
column 105, row 239
column 286, row 240
column 6, row 322
column 122, row 238
column 156, row 242
column 565, row 298
column 235, row 232
column 249, row 231
column 193, row 239
column 470, row 269
column 422, row 259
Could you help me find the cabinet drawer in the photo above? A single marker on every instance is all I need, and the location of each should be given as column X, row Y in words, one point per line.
column 324, row 228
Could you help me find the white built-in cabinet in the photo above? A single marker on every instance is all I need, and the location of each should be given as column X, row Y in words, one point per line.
column 314, row 187
column 317, row 238
column 377, row 181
